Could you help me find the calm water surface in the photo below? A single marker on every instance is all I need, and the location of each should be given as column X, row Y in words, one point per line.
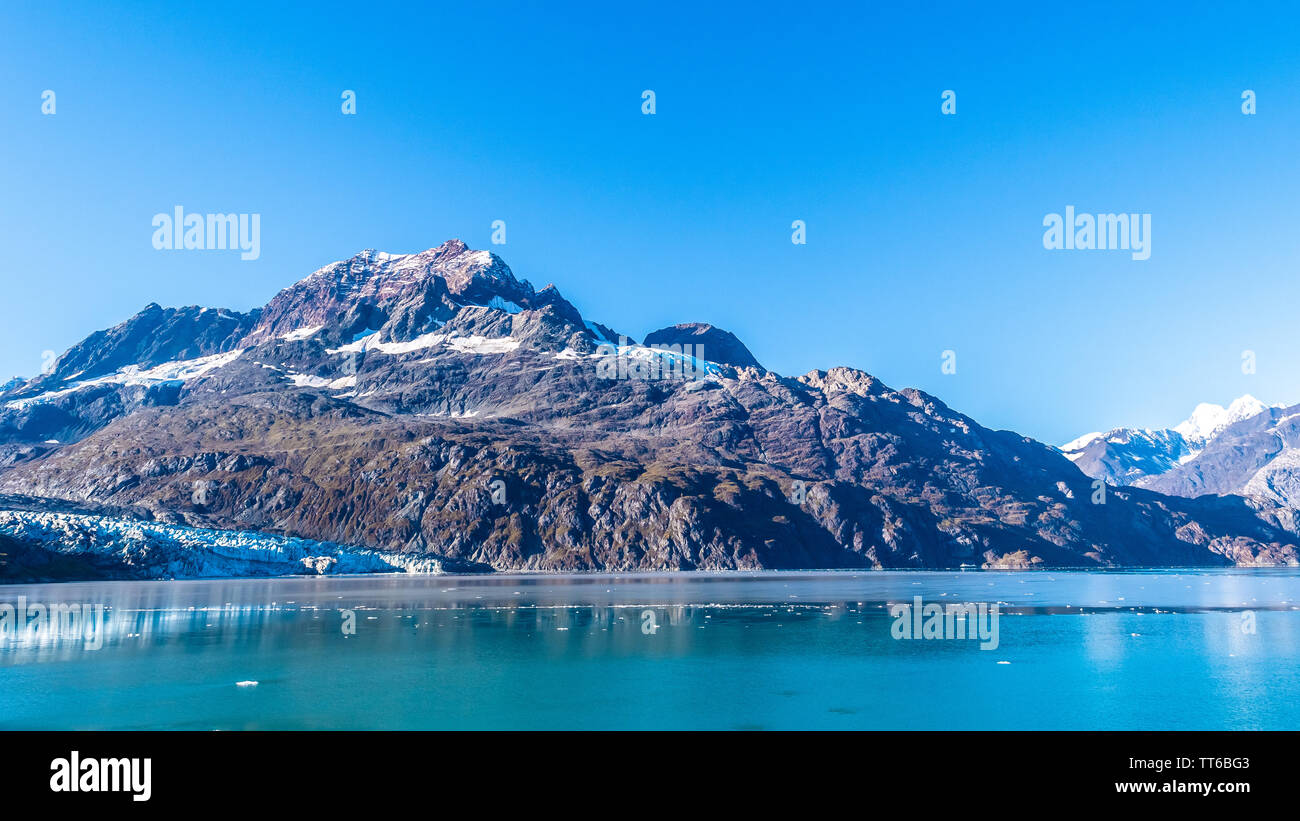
column 1189, row 649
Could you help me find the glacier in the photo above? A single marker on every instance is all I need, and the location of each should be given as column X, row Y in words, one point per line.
column 154, row 550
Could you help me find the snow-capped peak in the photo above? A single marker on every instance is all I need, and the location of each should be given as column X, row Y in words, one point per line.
column 1082, row 442
column 1208, row 419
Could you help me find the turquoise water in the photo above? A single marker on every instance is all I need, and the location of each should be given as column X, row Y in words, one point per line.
column 1131, row 650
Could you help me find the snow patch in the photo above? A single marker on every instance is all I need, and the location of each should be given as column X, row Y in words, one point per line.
column 482, row 344
column 303, row 333
column 303, row 380
column 179, row 371
column 463, row 344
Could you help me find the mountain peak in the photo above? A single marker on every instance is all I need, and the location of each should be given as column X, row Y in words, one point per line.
column 1245, row 401
column 719, row 345
column 1081, row 442
column 451, row 247
column 1208, row 419
column 431, row 284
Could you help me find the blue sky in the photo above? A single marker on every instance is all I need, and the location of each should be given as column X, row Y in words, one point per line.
column 924, row 230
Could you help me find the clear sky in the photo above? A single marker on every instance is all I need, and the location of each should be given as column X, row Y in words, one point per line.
column 924, row 231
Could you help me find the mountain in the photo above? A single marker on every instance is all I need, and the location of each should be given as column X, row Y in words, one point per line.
column 718, row 345
column 1247, row 449
column 1125, row 455
column 152, row 337
column 1257, row 457
column 402, row 296
column 1208, row 419
column 435, row 408
column 142, row 362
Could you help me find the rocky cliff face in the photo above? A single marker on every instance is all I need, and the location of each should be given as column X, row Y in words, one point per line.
column 434, row 405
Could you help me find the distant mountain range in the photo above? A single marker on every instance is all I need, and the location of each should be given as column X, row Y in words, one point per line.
column 1247, row 449
column 437, row 410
